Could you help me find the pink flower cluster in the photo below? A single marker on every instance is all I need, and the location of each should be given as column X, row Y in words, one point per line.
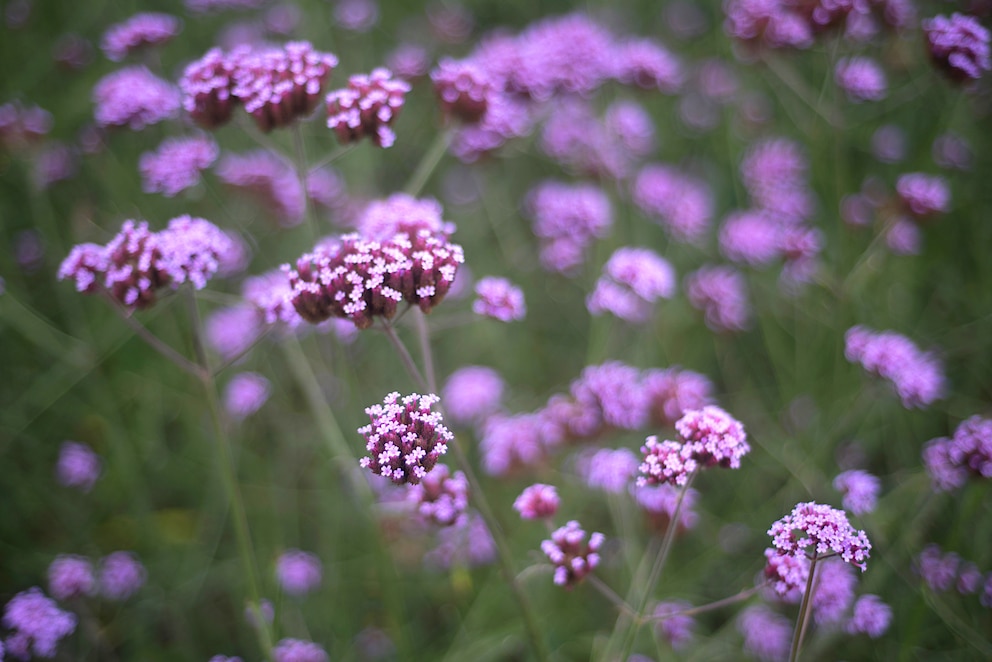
column 441, row 497
column 275, row 85
column 567, row 219
column 968, row 452
column 500, row 299
column 298, row 572
column 21, row 125
column 37, row 624
column 633, row 280
column 680, row 203
column 708, row 437
column 176, row 165
column 367, row 107
column 918, row 377
column 139, row 31
column 721, row 293
column 959, row 45
column 405, row 438
column 821, row 530
column 572, row 556
column 463, row 89
column 539, row 501
column 136, row 263
column 134, row 97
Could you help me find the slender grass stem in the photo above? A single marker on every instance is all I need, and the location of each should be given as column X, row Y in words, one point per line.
column 404, row 354
column 155, row 342
column 428, row 163
column 225, row 466
column 804, row 612
column 336, row 154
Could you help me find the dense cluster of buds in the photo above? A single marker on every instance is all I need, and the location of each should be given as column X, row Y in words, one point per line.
column 708, row 437
column 405, row 438
column 367, row 107
column 572, row 556
column 441, row 498
column 822, row 531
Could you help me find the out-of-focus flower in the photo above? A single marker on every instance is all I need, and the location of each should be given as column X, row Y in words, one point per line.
column 952, row 151
column 771, row 23
column 607, row 469
column 140, row 31
column 298, row 572
column 917, row 376
column 54, row 163
column 70, row 576
column 959, row 45
column 539, row 501
column 871, row 616
column 567, row 219
column 862, row 78
column 968, row 452
column 633, row 280
column 121, row 575
column 245, row 394
column 72, row 51
column 176, row 164
column 721, row 293
column 673, row 392
column 833, row 591
column 659, row 502
column 468, row 543
column 298, row 650
column 572, row 556
column 680, row 203
column 675, row 628
column 512, row 442
column 134, row 97
column 367, row 107
column 269, row 180
column 22, row 125
column 472, row 393
column 937, row 569
column 860, row 490
column 750, row 237
column 78, row 466
column 37, row 623
column 462, row 88
column 405, row 438
column 648, row 65
column 631, row 125
column 409, row 61
column 923, row 195
column 441, row 497
column 356, row 15
column 500, row 299
column 888, row 143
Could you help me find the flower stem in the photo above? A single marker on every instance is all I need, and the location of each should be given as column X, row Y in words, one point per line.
column 804, row 612
column 404, row 354
column 627, row 626
column 302, row 170
column 428, row 163
column 225, row 466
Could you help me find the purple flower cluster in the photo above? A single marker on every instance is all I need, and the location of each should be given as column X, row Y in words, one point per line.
column 275, row 85
column 572, row 556
column 774, row 172
column 708, row 437
column 298, row 650
column 766, row 634
column 750, row 237
column 860, row 490
column 22, row 125
column 367, row 107
column 298, row 572
column 245, row 394
column 633, row 280
column 680, row 203
column 500, row 299
column 472, row 393
column 37, row 623
column 539, row 501
column 923, row 196
column 121, row 575
column 673, row 391
column 138, row 262
column 134, row 97
column 405, row 438
column 862, row 78
column 822, row 528
column 871, row 616
column 674, row 627
column 771, row 23
column 580, row 142
column 467, row 543
column 513, row 442
column 959, row 45
column 78, row 466
column 400, row 212
column 968, row 452
column 71, row 576
column 659, row 502
column 359, row 279
column 721, row 293
column 940, row 571
column 441, row 497
column 607, row 469
column 269, row 180
column 567, row 219
column 648, row 65
column 140, row 31
column 918, row 377
column 787, row 574
column 176, row 165
column 463, row 89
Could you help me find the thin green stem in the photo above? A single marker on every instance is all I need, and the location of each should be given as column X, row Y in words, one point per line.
column 427, row 356
column 155, row 342
column 804, row 612
column 340, row 151
column 302, row 171
column 710, row 606
column 428, row 163
column 225, row 465
column 626, row 626
column 405, row 357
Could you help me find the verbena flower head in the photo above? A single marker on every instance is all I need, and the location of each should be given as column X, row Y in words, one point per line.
column 500, row 299
column 356, row 15
column 232, row 331
column 949, row 151
column 607, row 469
column 787, row 574
column 672, row 392
column 675, row 628
column 574, row 137
column 441, row 497
column 360, row 279
column 567, row 219
column 513, row 442
column 833, row 591
column 936, row 569
column 472, row 393
column 382, row 219
column 871, row 616
column 140, row 31
column 959, row 45
column 679, row 202
column 298, row 572
column 572, row 556
column 279, row 85
column 860, row 490
column 22, row 125
column 606, row 396
column 821, row 530
column 648, row 65
column 631, row 125
column 715, row 437
column 950, row 461
column 121, row 575
column 766, row 634
column 774, row 174
column 462, row 88
column 298, row 650
column 405, row 438
column 245, row 394
column 409, row 61
column 633, row 280
column 917, row 376
column 176, row 165
column 206, row 86
column 888, row 143
column 924, row 195
column 37, row 623
column 665, row 462
column 70, row 576
column 751, row 238
column 721, row 293
column 862, row 78
column 539, row 501
column 269, row 180
column 468, row 544
column 367, row 107
column 78, row 466
column 770, row 23
column 134, row 97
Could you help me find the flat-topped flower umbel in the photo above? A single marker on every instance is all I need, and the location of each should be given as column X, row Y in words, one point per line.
column 822, row 530
column 405, row 438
